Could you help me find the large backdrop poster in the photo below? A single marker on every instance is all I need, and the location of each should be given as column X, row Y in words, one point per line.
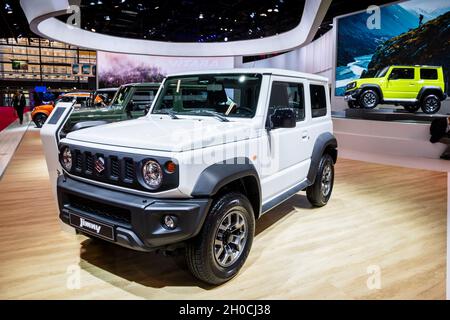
column 115, row 69
column 410, row 33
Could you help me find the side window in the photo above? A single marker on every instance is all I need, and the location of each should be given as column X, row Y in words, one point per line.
column 142, row 98
column 428, row 74
column 288, row 95
column 318, row 100
column 81, row 101
column 402, row 74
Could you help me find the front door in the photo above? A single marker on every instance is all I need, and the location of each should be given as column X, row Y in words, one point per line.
column 401, row 84
column 286, row 157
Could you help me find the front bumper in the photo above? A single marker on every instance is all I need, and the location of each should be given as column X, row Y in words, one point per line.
column 352, row 95
column 136, row 221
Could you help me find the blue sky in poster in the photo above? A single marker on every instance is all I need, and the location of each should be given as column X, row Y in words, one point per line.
column 357, row 44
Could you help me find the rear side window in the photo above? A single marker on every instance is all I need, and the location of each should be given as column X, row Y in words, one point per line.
column 318, row 100
column 288, row 95
column 428, row 74
column 402, row 74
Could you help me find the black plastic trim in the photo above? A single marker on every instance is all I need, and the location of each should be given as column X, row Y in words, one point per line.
column 422, row 92
column 372, row 86
column 145, row 232
column 324, row 141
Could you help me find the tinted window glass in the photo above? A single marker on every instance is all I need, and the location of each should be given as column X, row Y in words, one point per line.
column 428, row 74
column 142, row 98
column 318, row 100
column 402, row 73
column 288, row 95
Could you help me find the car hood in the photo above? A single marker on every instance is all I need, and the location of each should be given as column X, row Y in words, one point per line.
column 165, row 134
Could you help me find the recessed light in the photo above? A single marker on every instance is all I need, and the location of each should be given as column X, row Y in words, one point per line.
column 107, row 18
column 156, row 8
column 93, row 30
column 226, row 39
column 276, row 10
column 263, row 15
column 269, row 10
column 200, row 16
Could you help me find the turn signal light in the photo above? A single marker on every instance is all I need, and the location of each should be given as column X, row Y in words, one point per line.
column 170, row 167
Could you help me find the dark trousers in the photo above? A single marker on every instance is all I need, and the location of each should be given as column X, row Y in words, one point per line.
column 20, row 113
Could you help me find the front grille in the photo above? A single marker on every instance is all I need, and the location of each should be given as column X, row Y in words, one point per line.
column 99, row 209
column 116, row 168
column 129, row 170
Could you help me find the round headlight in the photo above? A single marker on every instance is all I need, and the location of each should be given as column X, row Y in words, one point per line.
column 66, row 159
column 152, row 174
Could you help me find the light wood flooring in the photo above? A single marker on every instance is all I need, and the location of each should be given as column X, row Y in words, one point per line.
column 383, row 218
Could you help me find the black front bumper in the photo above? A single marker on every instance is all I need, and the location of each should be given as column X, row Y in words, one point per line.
column 137, row 221
column 352, row 95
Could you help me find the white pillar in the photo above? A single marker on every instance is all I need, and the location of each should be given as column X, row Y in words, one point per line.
column 448, row 236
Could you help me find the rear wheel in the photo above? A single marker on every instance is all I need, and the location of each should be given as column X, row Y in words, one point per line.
column 412, row 107
column 40, row 119
column 221, row 248
column 319, row 193
column 369, row 99
column 431, row 104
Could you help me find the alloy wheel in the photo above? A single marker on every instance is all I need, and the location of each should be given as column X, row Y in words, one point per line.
column 231, row 237
column 326, row 180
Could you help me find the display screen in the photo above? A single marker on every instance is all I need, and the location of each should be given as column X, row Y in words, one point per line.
column 406, row 33
column 116, row 69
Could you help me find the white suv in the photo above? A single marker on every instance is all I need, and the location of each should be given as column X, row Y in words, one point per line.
column 216, row 151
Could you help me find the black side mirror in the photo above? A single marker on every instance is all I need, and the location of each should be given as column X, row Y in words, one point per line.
column 282, row 118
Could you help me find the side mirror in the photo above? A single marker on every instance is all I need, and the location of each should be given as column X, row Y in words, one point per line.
column 282, row 118
column 130, row 105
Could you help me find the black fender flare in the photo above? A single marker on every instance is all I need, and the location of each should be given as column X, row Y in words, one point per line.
column 372, row 86
column 424, row 89
column 219, row 174
column 323, row 141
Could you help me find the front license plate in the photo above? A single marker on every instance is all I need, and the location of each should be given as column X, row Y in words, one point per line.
column 92, row 227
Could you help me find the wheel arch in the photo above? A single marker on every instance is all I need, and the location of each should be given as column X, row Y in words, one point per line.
column 430, row 90
column 40, row 112
column 326, row 143
column 237, row 174
column 372, row 86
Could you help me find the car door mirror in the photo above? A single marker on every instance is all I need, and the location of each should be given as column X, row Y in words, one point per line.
column 282, row 118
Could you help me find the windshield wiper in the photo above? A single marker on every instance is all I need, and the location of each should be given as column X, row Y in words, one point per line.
column 170, row 113
column 215, row 114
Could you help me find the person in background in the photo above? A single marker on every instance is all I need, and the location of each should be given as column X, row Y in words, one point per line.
column 440, row 132
column 19, row 104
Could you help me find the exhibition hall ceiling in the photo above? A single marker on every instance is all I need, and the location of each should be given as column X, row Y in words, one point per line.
column 185, row 20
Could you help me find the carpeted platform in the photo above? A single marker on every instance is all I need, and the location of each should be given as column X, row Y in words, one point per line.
column 7, row 116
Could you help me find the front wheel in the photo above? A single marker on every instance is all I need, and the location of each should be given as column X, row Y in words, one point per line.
column 431, row 104
column 319, row 193
column 369, row 99
column 40, row 119
column 221, row 248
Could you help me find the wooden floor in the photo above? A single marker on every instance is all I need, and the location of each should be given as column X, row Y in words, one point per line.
column 380, row 218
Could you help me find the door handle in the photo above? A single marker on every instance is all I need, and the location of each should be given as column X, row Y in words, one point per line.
column 305, row 135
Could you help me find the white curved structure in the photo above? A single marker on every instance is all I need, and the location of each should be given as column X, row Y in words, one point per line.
column 41, row 17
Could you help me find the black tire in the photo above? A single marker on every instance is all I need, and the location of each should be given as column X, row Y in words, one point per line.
column 39, row 120
column 352, row 104
column 369, row 99
column 413, row 108
column 319, row 193
column 430, row 104
column 201, row 251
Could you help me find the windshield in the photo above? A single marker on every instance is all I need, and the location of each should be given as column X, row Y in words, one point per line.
column 381, row 73
column 220, row 95
column 120, row 96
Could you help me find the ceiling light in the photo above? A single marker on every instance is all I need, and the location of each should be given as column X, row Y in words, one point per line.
column 276, row 10
column 107, row 18
column 263, row 15
column 99, row 2
column 226, row 39
column 241, row 78
column 269, row 10
column 93, row 30
column 200, row 16
column 156, row 8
